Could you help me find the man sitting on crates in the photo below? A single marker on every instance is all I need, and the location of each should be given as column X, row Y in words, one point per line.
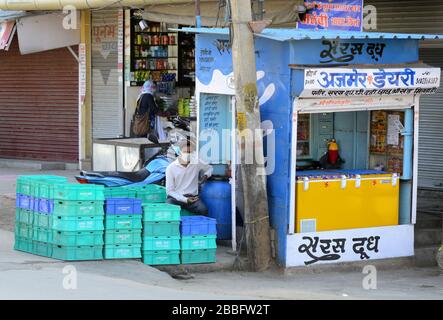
column 183, row 178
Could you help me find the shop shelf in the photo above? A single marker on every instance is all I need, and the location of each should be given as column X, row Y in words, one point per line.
column 77, row 253
column 24, row 202
column 123, row 236
column 119, row 192
column 161, row 212
column 198, row 242
column 151, row 193
column 23, row 244
column 77, row 238
column 94, row 223
column 161, row 228
column 78, row 192
column 198, row 256
column 121, row 206
column 161, row 243
column 42, row 234
column 23, row 230
column 65, row 208
column 161, row 257
column 42, row 220
column 41, row 248
column 198, row 225
column 24, row 216
column 123, row 222
column 122, row 251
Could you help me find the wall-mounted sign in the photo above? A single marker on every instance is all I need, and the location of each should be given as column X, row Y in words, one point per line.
column 345, row 15
column 354, row 103
column 339, row 82
column 82, row 72
column 305, row 249
column 354, row 51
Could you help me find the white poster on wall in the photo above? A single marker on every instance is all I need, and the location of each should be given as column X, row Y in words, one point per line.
column 305, row 249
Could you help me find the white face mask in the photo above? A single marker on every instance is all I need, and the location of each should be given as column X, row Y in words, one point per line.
column 185, row 156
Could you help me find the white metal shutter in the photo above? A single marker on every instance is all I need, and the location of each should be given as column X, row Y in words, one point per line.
column 430, row 151
column 425, row 16
column 107, row 108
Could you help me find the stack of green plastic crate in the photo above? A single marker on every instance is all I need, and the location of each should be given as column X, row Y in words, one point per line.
column 123, row 228
column 77, row 224
column 34, row 200
column 161, row 234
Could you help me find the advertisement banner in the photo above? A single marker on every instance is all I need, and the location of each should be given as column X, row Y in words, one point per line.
column 344, row 15
column 339, row 82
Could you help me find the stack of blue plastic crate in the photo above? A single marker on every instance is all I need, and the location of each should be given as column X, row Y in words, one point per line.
column 123, row 228
column 198, row 239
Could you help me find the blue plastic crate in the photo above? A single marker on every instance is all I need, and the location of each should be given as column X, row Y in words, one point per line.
column 24, row 202
column 44, row 206
column 121, row 206
column 198, row 225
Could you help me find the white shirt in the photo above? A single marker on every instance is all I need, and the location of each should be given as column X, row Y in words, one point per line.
column 181, row 180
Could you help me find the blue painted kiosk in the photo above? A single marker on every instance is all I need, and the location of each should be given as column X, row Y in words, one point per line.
column 360, row 90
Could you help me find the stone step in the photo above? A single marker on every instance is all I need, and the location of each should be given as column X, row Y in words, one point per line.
column 426, row 256
column 428, row 237
column 426, row 221
column 36, row 165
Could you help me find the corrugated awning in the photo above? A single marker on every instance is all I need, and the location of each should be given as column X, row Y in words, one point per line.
column 11, row 15
column 298, row 34
column 7, row 31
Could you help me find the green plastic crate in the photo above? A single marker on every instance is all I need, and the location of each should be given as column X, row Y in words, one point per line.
column 161, row 257
column 24, row 216
column 77, row 238
column 161, row 228
column 151, row 193
column 198, row 242
column 41, row 248
column 122, row 251
column 77, row 253
column 94, row 223
column 22, row 244
column 170, row 243
column 198, row 256
column 42, row 234
column 42, row 220
column 161, row 212
column 28, row 185
column 123, row 222
column 78, row 208
column 119, row 192
column 23, row 230
column 79, row 192
column 123, row 237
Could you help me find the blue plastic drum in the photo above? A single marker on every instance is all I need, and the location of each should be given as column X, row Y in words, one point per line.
column 217, row 197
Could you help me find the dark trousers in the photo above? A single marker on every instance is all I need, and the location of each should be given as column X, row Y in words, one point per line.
column 197, row 207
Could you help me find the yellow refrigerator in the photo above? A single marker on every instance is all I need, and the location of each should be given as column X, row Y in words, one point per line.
column 345, row 199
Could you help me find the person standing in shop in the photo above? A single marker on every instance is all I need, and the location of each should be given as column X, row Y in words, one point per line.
column 183, row 178
column 144, row 118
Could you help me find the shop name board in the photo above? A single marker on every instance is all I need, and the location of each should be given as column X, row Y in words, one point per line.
column 336, row 82
column 304, row 249
column 318, row 249
column 345, row 15
column 344, row 52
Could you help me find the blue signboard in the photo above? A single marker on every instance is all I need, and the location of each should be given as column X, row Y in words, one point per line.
column 345, row 15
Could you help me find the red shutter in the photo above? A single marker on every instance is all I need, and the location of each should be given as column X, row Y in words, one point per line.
column 38, row 105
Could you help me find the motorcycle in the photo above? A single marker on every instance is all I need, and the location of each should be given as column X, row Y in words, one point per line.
column 153, row 171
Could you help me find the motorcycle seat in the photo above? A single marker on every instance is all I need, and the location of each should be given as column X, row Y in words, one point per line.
column 137, row 176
